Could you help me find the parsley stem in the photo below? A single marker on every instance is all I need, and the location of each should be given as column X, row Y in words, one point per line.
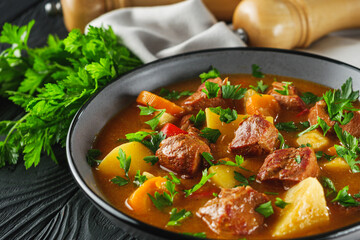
column 15, row 126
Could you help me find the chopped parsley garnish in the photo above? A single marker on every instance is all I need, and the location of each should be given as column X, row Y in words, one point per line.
column 164, row 200
column 260, row 88
column 210, row 134
column 357, row 195
column 151, row 159
column 310, row 98
column 241, row 178
column 345, row 199
column 165, row 93
column 285, row 90
column 215, row 194
column 199, row 119
column 199, row 234
column 282, row 141
column 321, row 154
column 305, row 145
column 232, row 91
column 328, row 184
column 204, row 178
column 305, row 124
column 139, row 179
column 287, row 126
column 256, row 71
column 174, row 179
column 280, row 203
column 271, row 193
column 124, row 164
column 298, row 159
column 150, row 110
column 211, row 89
column 213, row 73
column 238, row 161
column 350, row 150
column 137, row 137
column 208, row 157
column 91, row 157
column 320, row 123
column 265, row 209
column 177, row 216
column 154, row 141
column 226, row 115
column 340, row 101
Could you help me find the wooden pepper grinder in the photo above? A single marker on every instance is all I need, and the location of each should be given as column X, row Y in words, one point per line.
column 268, row 23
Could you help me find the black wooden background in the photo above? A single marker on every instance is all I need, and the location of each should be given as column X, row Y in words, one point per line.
column 44, row 202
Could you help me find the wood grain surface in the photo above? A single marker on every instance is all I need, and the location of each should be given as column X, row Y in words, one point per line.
column 44, row 202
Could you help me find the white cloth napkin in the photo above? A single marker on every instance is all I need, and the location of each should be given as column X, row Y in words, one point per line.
column 157, row 32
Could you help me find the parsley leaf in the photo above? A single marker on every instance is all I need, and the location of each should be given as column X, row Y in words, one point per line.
column 119, row 181
column 232, row 91
column 210, row 134
column 177, row 216
column 280, row 203
column 213, row 73
column 165, row 199
column 154, row 142
column 147, row 110
column 310, row 98
column 151, row 159
column 204, row 178
column 285, row 90
column 261, row 87
column 241, row 178
column 150, row 110
column 327, row 183
column 138, row 136
column 298, row 159
column 287, row 126
column 321, row 154
column 256, row 71
column 265, row 209
column 139, row 179
column 282, row 141
column 165, row 93
column 198, row 235
column 199, row 119
column 345, row 199
column 320, row 123
column 92, row 156
column 174, row 179
column 124, row 164
column 226, row 115
column 211, row 89
column 208, row 157
column 238, row 161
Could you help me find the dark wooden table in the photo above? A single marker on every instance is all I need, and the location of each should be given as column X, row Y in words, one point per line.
column 44, row 202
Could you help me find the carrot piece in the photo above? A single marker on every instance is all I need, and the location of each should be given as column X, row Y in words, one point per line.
column 331, row 151
column 262, row 104
column 139, row 200
column 158, row 102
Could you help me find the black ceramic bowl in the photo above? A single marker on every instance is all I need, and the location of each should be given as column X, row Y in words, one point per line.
column 95, row 113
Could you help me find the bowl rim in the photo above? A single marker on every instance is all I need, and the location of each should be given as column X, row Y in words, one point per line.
column 144, row 227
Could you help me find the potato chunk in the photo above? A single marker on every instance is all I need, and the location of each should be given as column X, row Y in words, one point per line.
column 110, row 166
column 336, row 164
column 224, row 176
column 315, row 138
column 166, row 118
column 228, row 129
column 307, row 208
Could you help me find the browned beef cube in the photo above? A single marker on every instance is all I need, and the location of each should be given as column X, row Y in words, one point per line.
column 182, row 154
column 289, row 166
column 255, row 136
column 233, row 213
column 320, row 110
column 289, row 102
column 199, row 100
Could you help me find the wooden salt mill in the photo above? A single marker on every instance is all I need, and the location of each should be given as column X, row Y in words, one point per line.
column 268, row 23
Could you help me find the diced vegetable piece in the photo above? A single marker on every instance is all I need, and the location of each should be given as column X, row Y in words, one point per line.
column 140, row 201
column 262, row 104
column 228, row 129
column 147, row 98
column 335, row 165
column 224, row 176
column 249, row 93
column 166, row 118
column 307, row 209
column 171, row 130
column 110, row 166
column 315, row 138
column 148, row 175
column 331, row 151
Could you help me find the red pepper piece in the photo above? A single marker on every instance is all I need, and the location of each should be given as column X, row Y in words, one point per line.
column 170, row 130
column 302, row 112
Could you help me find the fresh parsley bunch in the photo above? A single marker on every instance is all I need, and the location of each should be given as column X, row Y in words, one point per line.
column 51, row 83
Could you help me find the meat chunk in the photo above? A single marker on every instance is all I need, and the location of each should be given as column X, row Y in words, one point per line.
column 182, row 154
column 320, row 110
column 199, row 100
column 233, row 213
column 289, row 166
column 289, row 102
column 255, row 136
